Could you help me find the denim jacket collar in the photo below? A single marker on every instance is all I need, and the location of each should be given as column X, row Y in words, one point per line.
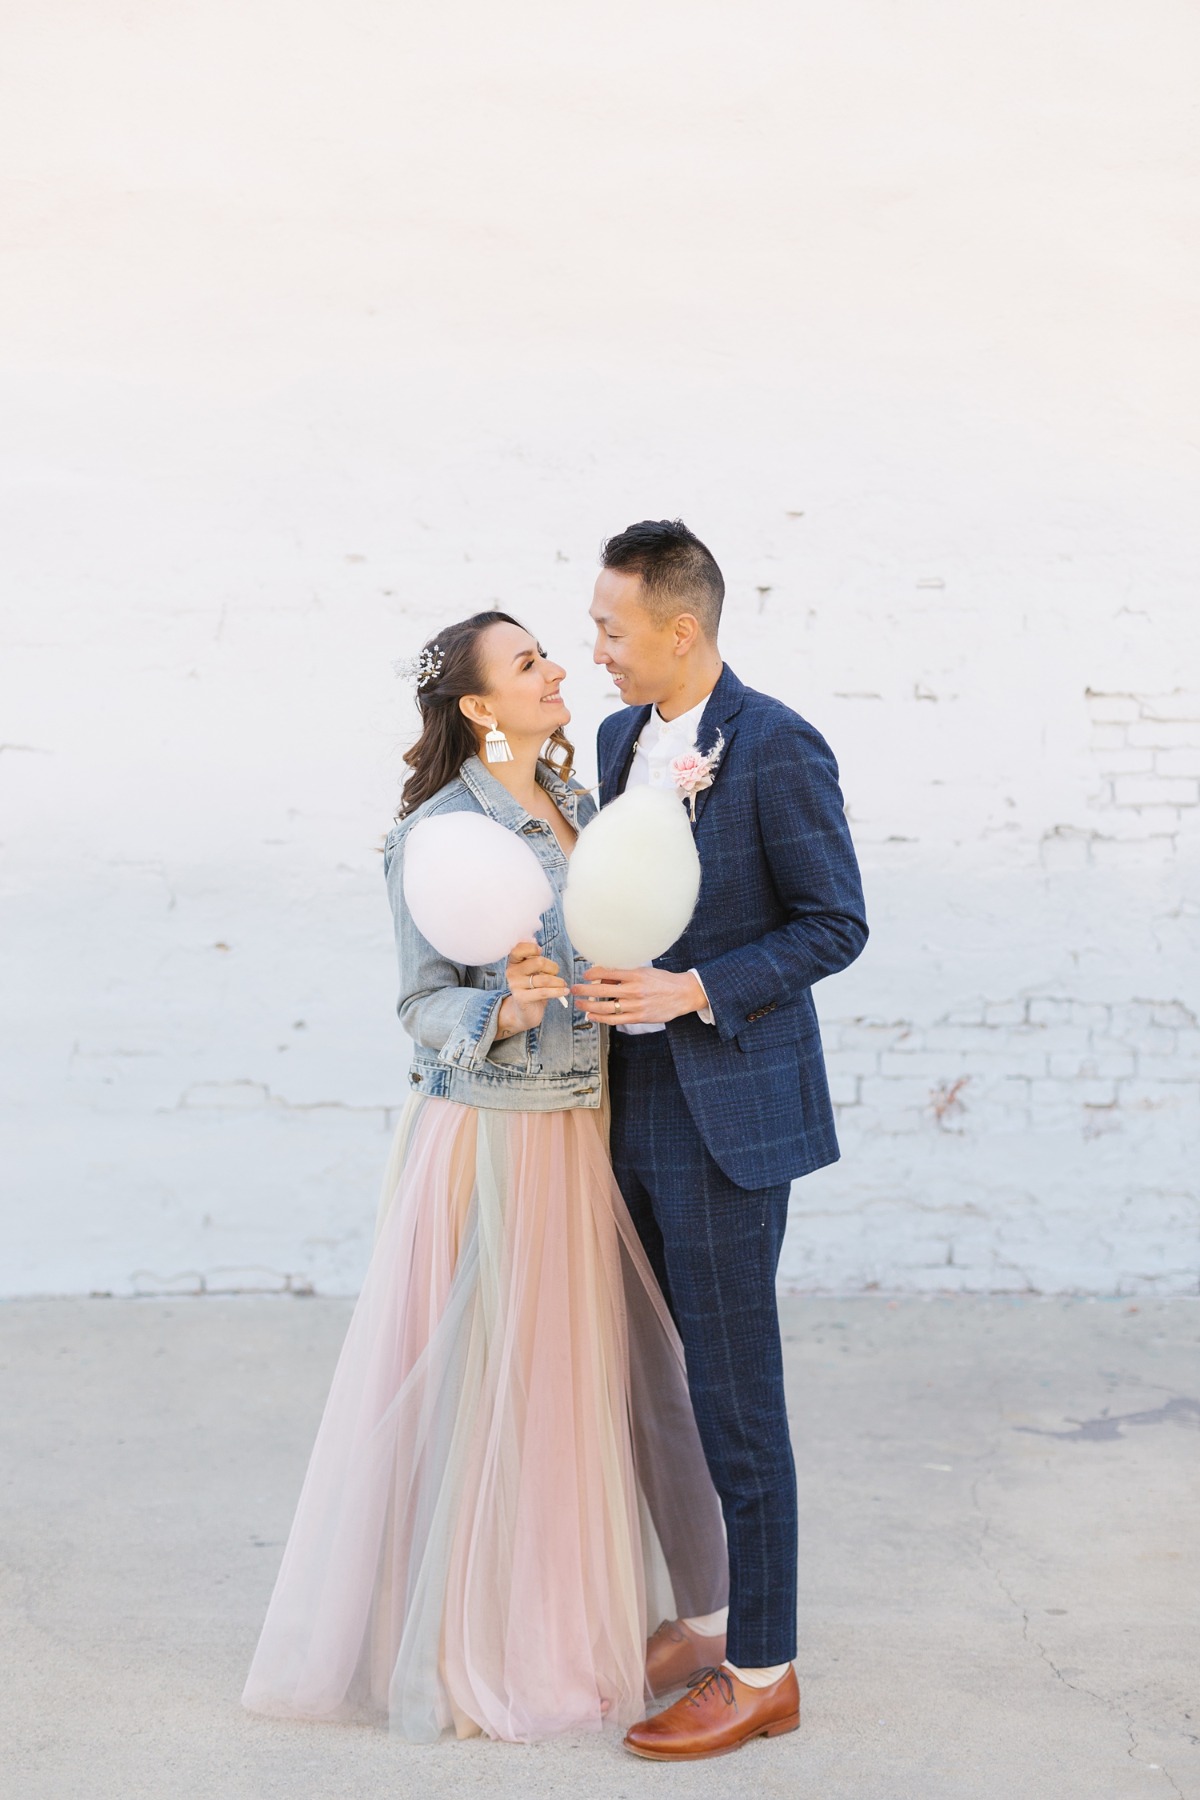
column 500, row 805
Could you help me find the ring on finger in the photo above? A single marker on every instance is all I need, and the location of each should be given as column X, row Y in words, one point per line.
column 531, row 983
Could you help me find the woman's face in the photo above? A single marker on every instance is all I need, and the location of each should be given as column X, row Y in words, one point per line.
column 522, row 685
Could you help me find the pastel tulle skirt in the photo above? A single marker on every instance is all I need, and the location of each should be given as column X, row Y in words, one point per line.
column 507, row 1488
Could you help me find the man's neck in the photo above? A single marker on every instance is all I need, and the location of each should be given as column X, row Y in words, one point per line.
column 695, row 684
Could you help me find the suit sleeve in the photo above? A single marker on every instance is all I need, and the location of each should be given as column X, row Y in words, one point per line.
column 806, row 843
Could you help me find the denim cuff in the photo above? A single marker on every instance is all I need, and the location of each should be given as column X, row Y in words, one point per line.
column 473, row 1036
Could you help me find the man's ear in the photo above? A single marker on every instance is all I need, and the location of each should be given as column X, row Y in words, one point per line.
column 687, row 633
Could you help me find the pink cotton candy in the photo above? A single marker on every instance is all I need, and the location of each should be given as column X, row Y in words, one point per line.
column 473, row 888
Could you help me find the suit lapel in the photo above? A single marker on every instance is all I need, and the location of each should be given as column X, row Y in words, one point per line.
column 718, row 721
column 616, row 769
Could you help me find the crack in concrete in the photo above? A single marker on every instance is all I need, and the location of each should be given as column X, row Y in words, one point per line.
column 1135, row 1755
column 1112, row 1708
column 997, row 1577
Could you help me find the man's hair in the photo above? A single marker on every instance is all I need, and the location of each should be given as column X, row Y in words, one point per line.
column 679, row 573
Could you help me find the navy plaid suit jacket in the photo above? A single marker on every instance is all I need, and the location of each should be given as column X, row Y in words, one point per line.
column 780, row 906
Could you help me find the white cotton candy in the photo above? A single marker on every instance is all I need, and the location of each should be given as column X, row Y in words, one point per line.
column 633, row 881
column 473, row 888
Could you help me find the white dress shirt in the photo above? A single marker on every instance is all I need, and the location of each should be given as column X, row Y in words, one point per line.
column 662, row 740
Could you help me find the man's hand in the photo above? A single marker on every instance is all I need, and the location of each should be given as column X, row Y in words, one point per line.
column 638, row 996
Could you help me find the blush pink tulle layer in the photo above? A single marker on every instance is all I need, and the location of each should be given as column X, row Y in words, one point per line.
column 507, row 1489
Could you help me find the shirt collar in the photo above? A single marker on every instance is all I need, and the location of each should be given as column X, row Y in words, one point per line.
column 678, row 730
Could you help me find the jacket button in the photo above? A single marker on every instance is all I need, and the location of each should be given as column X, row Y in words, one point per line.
column 414, row 1077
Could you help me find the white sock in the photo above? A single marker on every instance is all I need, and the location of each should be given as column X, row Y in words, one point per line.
column 708, row 1624
column 758, row 1677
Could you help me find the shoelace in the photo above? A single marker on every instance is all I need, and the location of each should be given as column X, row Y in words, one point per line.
column 703, row 1679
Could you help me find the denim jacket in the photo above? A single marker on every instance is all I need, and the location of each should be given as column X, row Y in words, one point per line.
column 450, row 1010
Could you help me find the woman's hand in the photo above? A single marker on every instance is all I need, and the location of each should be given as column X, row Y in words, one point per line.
column 533, row 980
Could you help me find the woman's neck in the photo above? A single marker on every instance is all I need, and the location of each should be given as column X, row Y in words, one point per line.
column 520, row 775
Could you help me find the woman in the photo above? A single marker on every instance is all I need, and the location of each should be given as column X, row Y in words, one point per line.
column 508, row 1475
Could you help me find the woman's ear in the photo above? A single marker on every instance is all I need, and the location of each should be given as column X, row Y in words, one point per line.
column 474, row 711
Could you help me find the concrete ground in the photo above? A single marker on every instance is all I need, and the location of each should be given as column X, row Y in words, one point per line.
column 1000, row 1560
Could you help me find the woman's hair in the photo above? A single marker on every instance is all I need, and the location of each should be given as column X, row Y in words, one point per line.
column 447, row 736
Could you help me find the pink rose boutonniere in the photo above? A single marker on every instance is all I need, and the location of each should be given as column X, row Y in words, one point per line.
column 692, row 772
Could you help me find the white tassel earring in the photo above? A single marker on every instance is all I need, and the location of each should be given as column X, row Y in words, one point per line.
column 496, row 746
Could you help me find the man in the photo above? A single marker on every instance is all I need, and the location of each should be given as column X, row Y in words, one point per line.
column 719, row 1096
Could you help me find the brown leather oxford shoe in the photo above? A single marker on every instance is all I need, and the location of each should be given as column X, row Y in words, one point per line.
column 718, row 1714
column 674, row 1653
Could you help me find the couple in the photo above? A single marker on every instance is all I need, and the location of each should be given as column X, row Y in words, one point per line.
column 559, row 1414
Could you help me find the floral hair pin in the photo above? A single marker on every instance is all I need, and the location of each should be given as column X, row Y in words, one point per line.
column 693, row 772
column 424, row 669
column 429, row 665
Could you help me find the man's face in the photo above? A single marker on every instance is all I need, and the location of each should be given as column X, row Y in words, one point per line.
column 641, row 657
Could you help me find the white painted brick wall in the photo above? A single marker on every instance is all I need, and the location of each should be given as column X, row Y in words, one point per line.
column 304, row 355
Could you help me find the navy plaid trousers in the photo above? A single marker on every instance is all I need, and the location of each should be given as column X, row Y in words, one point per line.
column 715, row 1248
